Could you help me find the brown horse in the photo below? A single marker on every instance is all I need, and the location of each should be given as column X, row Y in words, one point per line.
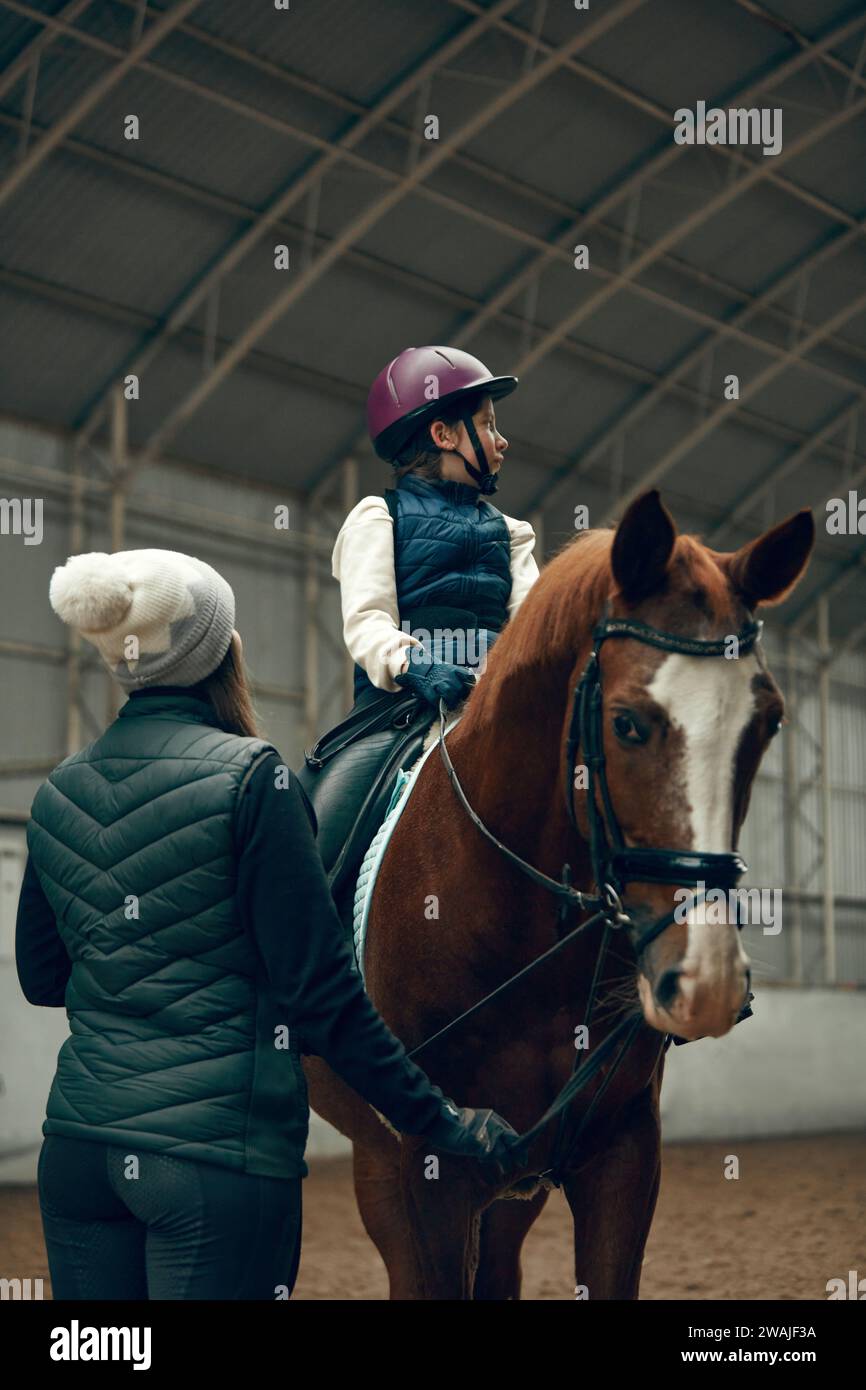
column 452, row 918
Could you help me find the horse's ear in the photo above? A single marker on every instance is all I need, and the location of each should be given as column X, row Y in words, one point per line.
column 766, row 570
column 642, row 546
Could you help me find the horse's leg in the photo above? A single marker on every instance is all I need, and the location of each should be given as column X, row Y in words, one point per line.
column 444, row 1216
column 379, row 1195
column 503, row 1230
column 376, row 1171
column 612, row 1202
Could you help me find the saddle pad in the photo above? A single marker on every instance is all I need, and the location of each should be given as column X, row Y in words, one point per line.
column 403, row 787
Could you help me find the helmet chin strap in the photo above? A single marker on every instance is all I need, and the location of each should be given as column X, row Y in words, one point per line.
column 487, row 482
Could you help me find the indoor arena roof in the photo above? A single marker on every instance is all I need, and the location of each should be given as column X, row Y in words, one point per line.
column 305, row 126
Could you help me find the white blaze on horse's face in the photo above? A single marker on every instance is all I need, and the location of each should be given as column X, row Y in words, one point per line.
column 710, row 703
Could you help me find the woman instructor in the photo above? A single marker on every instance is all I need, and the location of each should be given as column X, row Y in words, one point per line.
column 174, row 900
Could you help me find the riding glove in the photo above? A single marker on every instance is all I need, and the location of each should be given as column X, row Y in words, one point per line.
column 481, row 1134
column 434, row 681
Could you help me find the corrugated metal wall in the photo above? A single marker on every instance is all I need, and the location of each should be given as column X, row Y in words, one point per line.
column 225, row 523
column 783, row 843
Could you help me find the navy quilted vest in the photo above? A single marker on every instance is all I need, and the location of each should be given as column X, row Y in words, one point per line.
column 452, row 549
column 172, row 1043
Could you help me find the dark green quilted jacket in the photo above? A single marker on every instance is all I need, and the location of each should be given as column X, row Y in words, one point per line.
column 173, row 1045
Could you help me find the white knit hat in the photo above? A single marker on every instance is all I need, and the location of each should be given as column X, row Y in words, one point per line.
column 156, row 617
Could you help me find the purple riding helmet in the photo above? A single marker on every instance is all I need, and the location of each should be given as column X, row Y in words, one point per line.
column 412, row 390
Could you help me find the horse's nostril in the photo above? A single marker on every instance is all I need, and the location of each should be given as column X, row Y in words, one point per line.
column 667, row 986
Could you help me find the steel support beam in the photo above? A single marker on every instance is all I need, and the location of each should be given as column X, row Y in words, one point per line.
column 265, row 364
column 156, row 328
column 119, row 464
column 791, row 824
column 662, row 114
column 33, row 651
column 58, row 26
column 847, row 570
column 478, row 168
column 298, row 188
column 649, row 170
column 688, row 225
column 28, row 767
column 755, row 174
column 374, row 213
column 74, row 692
column 349, row 500
column 150, row 507
column 826, row 792
column 703, row 352
column 117, row 511
column 93, row 96
column 311, row 638
column 726, row 412
column 536, row 521
column 787, row 465
column 561, row 248
column 32, row 51
column 56, row 656
column 684, row 228
column 856, row 637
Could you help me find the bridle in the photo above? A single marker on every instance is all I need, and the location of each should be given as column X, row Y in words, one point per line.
column 614, row 864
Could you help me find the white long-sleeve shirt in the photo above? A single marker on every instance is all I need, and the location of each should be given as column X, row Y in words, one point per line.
column 363, row 562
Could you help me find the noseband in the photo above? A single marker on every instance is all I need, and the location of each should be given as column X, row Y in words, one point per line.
column 614, row 864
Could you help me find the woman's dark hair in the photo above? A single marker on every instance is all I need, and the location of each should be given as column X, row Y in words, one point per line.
column 420, row 455
column 228, row 690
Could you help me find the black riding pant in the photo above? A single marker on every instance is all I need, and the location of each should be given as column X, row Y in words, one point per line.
column 177, row 1230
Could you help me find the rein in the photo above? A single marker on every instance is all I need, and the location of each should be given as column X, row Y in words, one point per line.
column 614, row 866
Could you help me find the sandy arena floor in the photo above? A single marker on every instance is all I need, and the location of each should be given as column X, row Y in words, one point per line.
column 795, row 1218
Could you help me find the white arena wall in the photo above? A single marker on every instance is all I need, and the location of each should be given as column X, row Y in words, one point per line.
column 795, row 1067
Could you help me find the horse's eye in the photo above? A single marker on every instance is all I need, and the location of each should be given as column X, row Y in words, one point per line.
column 775, row 726
column 626, row 729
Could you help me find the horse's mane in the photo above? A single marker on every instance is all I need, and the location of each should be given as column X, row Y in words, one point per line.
column 557, row 616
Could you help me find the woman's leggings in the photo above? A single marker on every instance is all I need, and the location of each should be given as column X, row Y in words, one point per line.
column 177, row 1230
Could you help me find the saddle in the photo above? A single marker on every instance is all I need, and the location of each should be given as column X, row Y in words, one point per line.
column 349, row 776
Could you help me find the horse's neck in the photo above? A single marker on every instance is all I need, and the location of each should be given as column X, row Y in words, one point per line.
column 510, row 763
column 511, row 767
